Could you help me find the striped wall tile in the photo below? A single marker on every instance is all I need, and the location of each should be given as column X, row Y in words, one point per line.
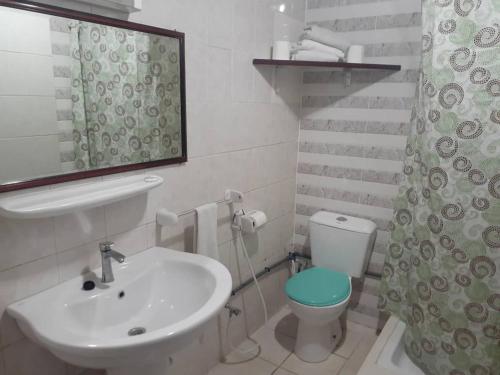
column 59, row 24
column 63, row 93
column 369, row 23
column 352, row 139
column 406, row 62
column 60, row 39
column 392, row 49
column 67, row 167
column 60, row 49
column 64, row 115
column 370, row 9
column 382, row 177
column 377, row 102
column 378, row 140
column 361, row 76
column 389, row 35
column 62, row 71
column 383, row 190
column 65, row 136
column 313, row 4
column 361, row 151
column 352, row 162
column 67, row 156
column 390, row 89
column 368, row 127
column 344, row 195
column 360, row 114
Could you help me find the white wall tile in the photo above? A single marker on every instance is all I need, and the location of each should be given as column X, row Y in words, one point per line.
column 126, row 215
column 244, row 25
column 26, row 358
column 196, row 72
column 78, row 261
column 22, row 241
column 263, row 80
column 205, row 349
column 264, row 27
column 24, row 32
column 9, row 331
column 35, row 156
column 218, row 73
column 287, row 27
column 78, row 228
column 36, row 72
column 25, row 280
column 132, row 242
column 220, row 23
column 27, row 116
column 242, row 79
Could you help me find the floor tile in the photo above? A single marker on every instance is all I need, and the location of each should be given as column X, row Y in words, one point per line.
column 331, row 366
column 273, row 320
column 266, row 344
column 284, row 322
column 349, row 342
column 353, row 364
column 255, row 366
column 352, row 326
column 273, row 343
column 275, row 347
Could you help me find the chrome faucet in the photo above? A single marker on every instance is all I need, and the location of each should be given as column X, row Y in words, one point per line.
column 107, row 253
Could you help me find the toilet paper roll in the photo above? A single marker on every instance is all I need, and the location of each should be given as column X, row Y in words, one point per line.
column 355, row 54
column 259, row 218
column 253, row 220
column 281, row 50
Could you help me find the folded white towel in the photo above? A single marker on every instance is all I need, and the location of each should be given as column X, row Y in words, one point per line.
column 206, row 231
column 325, row 36
column 314, row 56
column 311, row 45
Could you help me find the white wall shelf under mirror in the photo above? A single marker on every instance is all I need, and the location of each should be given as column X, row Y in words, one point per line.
column 78, row 197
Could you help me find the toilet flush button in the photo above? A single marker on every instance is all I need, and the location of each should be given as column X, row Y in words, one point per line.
column 341, row 218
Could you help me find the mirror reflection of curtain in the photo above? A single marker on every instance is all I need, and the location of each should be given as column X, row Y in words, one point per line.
column 125, row 95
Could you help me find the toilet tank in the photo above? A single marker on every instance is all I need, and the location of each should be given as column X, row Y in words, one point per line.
column 340, row 242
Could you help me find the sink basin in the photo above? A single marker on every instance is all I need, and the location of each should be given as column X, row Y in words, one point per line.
column 159, row 302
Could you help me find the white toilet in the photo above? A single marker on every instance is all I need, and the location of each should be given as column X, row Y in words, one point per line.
column 340, row 248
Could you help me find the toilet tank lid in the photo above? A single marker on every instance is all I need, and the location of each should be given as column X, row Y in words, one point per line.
column 345, row 222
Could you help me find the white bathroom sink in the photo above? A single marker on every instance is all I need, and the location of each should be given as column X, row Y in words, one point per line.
column 166, row 293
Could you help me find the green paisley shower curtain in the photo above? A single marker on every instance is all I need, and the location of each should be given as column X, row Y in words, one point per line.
column 442, row 271
column 125, row 96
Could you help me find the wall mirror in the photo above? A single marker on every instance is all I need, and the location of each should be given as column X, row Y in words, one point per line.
column 83, row 96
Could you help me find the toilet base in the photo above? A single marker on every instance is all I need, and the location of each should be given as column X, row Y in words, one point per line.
column 315, row 342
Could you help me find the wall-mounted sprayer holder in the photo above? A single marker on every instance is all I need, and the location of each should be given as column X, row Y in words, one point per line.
column 233, row 196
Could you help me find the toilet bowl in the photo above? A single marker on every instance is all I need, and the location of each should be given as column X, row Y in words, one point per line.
column 340, row 248
column 318, row 311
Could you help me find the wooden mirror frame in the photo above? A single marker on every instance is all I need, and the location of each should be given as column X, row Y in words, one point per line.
column 81, row 16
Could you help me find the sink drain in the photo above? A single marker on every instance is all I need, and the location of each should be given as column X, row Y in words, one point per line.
column 136, row 331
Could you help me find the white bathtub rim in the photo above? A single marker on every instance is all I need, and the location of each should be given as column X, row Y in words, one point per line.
column 378, row 360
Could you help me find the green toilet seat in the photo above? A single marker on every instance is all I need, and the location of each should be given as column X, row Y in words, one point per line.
column 318, row 287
